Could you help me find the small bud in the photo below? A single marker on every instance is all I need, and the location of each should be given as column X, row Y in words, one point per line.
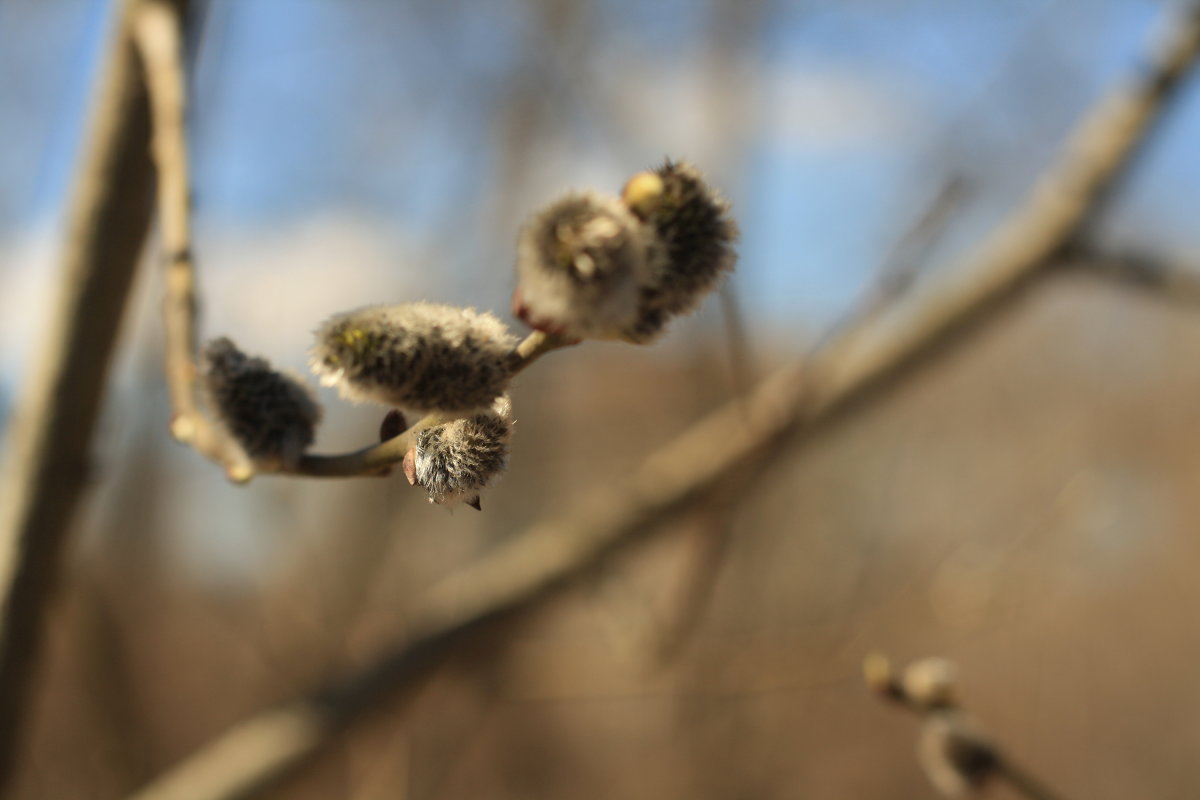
column 410, row 466
column 580, row 263
column 878, row 674
column 693, row 235
column 422, row 357
column 956, row 755
column 643, row 193
column 930, row 683
column 271, row 416
column 453, row 461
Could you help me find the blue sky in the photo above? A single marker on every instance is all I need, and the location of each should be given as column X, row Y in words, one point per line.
column 356, row 151
column 390, row 114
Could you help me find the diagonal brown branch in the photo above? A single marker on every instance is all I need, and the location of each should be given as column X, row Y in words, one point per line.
column 541, row 563
column 51, row 433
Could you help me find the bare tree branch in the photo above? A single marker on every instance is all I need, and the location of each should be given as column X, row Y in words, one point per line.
column 51, row 434
column 158, row 33
column 958, row 756
column 543, row 562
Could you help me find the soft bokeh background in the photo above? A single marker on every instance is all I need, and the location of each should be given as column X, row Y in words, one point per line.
column 1025, row 507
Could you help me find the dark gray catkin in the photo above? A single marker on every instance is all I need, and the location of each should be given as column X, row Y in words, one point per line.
column 271, row 416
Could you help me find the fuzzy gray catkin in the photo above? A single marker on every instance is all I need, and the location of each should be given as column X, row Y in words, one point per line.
column 580, row 266
column 455, row 460
column 270, row 415
column 690, row 246
column 421, row 357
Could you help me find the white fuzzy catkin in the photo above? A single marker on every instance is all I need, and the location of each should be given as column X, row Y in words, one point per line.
column 580, row 268
column 421, row 357
column 271, row 416
column 456, row 460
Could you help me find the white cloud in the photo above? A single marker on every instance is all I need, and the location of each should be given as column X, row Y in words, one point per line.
column 814, row 105
column 269, row 288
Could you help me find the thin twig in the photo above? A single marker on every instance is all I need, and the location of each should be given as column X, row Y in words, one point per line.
column 908, row 255
column 903, row 263
column 158, row 33
column 1024, row 782
column 1141, row 270
column 541, row 563
column 709, row 545
column 51, row 433
column 955, row 751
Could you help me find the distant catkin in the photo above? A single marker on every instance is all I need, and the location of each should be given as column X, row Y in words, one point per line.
column 930, row 683
column 690, row 242
column 956, row 755
column 580, row 267
column 453, row 462
column 271, row 416
column 421, row 357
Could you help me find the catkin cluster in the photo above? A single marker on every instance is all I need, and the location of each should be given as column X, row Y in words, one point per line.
column 957, row 755
column 596, row 267
column 588, row 266
column 450, row 366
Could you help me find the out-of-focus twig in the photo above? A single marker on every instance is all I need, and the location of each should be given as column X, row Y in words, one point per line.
column 1141, row 270
column 158, row 32
column 47, row 467
column 958, row 756
column 542, row 562
column 741, row 357
column 709, row 546
column 908, row 255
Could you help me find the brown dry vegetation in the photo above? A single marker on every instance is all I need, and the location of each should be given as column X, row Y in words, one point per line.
column 1023, row 507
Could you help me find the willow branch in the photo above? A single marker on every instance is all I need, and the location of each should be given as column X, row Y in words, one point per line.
column 1140, row 270
column 158, row 34
column 541, row 563
column 46, row 466
column 956, row 753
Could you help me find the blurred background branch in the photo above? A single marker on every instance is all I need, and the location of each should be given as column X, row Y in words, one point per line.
column 47, row 464
column 958, row 756
column 1022, row 504
column 735, row 443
